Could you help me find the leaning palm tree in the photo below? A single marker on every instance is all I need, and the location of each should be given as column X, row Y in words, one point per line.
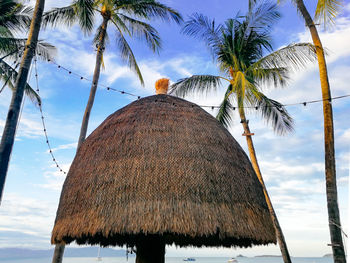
column 127, row 17
column 326, row 11
column 238, row 47
column 29, row 48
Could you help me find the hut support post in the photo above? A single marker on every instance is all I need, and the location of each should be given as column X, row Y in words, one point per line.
column 150, row 250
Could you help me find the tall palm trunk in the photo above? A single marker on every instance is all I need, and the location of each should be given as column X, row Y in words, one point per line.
column 100, row 50
column 59, row 248
column 279, row 234
column 331, row 180
column 8, row 136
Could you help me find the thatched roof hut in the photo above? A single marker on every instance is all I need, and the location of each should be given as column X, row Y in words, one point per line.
column 162, row 167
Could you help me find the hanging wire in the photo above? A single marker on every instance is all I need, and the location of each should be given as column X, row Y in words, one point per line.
column 87, row 79
column 43, row 121
column 203, row 106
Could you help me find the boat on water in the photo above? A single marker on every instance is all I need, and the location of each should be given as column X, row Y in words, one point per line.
column 189, row 259
column 232, row 260
column 99, row 258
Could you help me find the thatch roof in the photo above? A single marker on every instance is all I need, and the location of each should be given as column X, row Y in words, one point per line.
column 162, row 166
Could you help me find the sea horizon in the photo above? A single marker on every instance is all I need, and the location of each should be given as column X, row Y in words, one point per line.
column 172, row 259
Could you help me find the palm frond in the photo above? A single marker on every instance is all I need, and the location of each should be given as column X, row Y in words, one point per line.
column 45, row 51
column 195, row 83
column 294, row 56
column 143, row 31
column 149, row 9
column 84, row 10
column 269, row 76
column 128, row 56
column 275, row 114
column 9, row 45
column 203, row 28
column 63, row 15
column 226, row 109
column 15, row 16
column 81, row 11
column 5, row 32
column 327, row 10
column 32, row 95
column 8, row 75
column 261, row 17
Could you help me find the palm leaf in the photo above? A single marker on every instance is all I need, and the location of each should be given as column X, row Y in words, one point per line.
column 293, row 56
column 226, row 109
column 56, row 16
column 203, row 28
column 327, row 10
column 127, row 55
column 45, row 51
column 9, row 45
column 84, row 10
column 261, row 16
column 270, row 76
column 149, row 9
column 195, row 83
column 15, row 16
column 275, row 114
column 142, row 30
column 81, row 11
column 8, row 75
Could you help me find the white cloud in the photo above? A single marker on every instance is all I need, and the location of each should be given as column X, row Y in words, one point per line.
column 334, row 41
column 27, row 215
column 65, row 146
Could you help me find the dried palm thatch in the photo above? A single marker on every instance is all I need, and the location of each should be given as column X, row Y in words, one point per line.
column 162, row 166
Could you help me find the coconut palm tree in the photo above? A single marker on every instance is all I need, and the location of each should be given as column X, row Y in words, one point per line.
column 238, row 47
column 8, row 135
column 127, row 19
column 326, row 11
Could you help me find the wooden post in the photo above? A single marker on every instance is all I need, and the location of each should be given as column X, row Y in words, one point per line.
column 150, row 250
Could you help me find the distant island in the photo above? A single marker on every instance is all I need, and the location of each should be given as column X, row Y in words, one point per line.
column 19, row 253
column 328, row 256
column 241, row 256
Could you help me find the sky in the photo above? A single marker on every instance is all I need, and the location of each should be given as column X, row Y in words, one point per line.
column 292, row 165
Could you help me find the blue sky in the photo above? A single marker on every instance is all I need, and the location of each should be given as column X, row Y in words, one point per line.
column 291, row 165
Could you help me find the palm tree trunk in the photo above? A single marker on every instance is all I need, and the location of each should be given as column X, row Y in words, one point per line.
column 100, row 50
column 9, row 133
column 150, row 250
column 59, row 248
column 331, row 180
column 279, row 234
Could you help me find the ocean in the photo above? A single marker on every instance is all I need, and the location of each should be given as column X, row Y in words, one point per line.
column 175, row 260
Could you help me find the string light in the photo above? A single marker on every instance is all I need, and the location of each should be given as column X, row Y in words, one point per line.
column 87, row 79
column 139, row 97
column 43, row 121
column 203, row 106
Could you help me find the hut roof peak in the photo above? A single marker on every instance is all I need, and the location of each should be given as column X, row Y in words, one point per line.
column 162, row 86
